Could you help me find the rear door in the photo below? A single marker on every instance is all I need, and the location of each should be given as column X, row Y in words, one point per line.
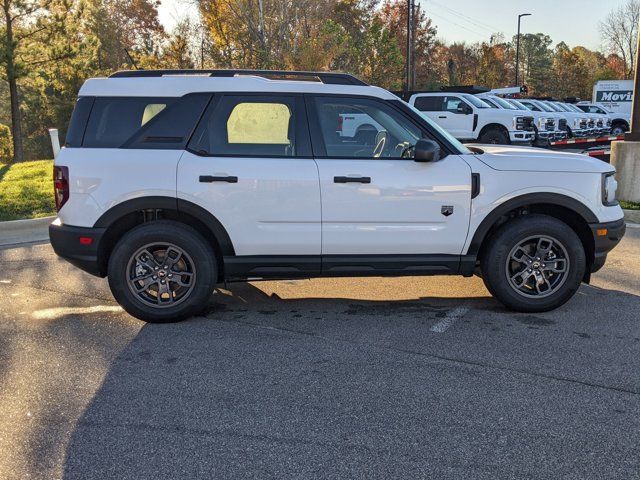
column 375, row 199
column 249, row 163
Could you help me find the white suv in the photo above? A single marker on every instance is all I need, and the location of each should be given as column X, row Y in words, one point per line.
column 468, row 118
column 173, row 181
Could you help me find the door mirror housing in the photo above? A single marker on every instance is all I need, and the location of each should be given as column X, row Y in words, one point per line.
column 464, row 109
column 426, row 151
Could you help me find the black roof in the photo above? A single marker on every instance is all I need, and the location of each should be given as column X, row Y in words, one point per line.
column 334, row 78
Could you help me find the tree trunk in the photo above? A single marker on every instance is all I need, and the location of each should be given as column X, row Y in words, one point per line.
column 16, row 121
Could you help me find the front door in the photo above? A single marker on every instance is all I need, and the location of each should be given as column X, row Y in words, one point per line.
column 375, row 199
column 249, row 164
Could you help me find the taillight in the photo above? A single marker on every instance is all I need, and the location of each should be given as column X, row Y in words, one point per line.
column 60, row 185
column 340, row 120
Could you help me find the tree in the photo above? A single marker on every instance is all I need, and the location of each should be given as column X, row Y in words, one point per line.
column 24, row 22
column 620, row 32
column 536, row 60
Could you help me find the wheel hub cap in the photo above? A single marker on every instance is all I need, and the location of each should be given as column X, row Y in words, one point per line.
column 537, row 266
column 161, row 275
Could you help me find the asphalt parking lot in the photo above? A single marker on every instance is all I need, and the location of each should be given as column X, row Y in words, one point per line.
column 328, row 378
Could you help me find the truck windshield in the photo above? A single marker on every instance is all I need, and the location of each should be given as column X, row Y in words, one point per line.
column 575, row 109
column 518, row 105
column 562, row 107
column 453, row 140
column 475, row 101
column 503, row 103
column 545, row 107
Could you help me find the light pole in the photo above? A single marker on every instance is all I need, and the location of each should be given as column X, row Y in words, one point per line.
column 518, row 45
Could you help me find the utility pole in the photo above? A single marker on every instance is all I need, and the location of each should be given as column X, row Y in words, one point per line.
column 408, row 61
column 518, row 45
column 625, row 155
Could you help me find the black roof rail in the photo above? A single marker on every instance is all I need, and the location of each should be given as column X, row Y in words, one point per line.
column 333, row 78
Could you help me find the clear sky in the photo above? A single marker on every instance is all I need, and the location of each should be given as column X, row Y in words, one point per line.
column 572, row 21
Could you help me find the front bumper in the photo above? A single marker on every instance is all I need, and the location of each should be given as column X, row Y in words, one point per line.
column 521, row 136
column 80, row 246
column 604, row 242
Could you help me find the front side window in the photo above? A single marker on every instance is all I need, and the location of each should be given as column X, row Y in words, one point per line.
column 249, row 126
column 114, row 120
column 364, row 128
column 452, row 104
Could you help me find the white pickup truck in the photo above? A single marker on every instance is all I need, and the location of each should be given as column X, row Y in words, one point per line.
column 546, row 126
column 468, row 118
column 620, row 121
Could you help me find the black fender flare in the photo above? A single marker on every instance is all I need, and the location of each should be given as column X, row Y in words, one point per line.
column 169, row 203
column 547, row 198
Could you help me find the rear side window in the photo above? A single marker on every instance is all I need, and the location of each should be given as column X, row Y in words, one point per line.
column 114, row 120
column 428, row 104
column 78, row 122
column 254, row 126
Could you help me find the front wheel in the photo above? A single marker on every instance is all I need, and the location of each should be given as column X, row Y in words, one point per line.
column 534, row 263
column 162, row 271
column 494, row 136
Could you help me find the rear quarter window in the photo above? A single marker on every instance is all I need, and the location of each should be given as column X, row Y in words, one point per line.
column 114, row 120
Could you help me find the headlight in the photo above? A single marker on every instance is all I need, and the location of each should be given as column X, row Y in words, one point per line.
column 608, row 122
column 576, row 123
column 541, row 122
column 518, row 123
column 609, row 187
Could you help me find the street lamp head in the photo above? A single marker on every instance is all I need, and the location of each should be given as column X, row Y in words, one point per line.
column 524, row 15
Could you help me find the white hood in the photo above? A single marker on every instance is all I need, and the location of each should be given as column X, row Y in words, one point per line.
column 513, row 158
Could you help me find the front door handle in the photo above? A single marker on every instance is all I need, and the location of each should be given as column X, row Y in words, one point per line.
column 442, row 116
column 351, row 179
column 212, row 178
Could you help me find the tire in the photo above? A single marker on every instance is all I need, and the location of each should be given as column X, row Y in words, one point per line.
column 495, row 136
column 618, row 128
column 168, row 290
column 527, row 294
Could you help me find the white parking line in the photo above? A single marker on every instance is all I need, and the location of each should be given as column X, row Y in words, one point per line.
column 633, row 225
column 449, row 319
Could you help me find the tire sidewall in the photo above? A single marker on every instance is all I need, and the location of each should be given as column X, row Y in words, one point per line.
column 495, row 134
column 494, row 262
column 178, row 234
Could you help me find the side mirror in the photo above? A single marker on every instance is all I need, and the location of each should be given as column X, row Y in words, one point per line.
column 426, row 151
column 463, row 109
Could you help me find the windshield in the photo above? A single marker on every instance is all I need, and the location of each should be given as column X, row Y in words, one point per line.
column 562, row 107
column 575, row 109
column 503, row 103
column 489, row 101
column 475, row 101
column 544, row 106
column 518, row 105
column 453, row 140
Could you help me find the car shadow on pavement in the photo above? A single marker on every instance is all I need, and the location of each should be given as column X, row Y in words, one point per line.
column 263, row 386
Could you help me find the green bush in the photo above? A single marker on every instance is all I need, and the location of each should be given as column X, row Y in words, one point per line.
column 6, row 144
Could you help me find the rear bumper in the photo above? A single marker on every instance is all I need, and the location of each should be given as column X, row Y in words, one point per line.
column 84, row 254
column 605, row 242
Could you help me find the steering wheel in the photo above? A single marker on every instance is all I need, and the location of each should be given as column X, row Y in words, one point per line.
column 381, row 140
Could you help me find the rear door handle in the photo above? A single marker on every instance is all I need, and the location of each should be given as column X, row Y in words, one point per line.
column 211, row 179
column 442, row 116
column 351, row 179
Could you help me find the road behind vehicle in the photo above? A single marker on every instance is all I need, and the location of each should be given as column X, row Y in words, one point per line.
column 173, row 181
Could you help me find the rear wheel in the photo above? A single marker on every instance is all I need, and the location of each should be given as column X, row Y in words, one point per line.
column 162, row 271
column 494, row 136
column 534, row 263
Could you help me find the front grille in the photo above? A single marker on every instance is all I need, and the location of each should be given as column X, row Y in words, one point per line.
column 591, row 124
column 583, row 124
column 562, row 124
column 527, row 123
column 550, row 125
column 599, row 124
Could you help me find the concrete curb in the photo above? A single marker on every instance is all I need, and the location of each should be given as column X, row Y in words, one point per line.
column 632, row 216
column 25, row 231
